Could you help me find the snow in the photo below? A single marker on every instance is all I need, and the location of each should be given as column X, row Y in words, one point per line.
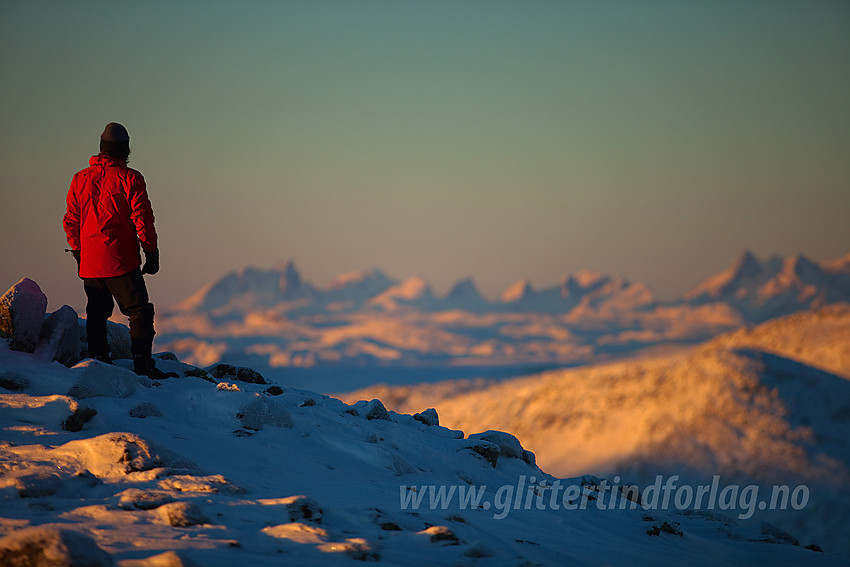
column 312, row 481
column 767, row 406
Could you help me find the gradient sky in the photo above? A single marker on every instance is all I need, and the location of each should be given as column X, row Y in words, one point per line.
column 652, row 139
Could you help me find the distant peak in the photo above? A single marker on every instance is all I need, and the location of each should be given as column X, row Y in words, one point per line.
column 747, row 262
column 286, row 266
column 411, row 288
column 587, row 278
column 464, row 289
column 517, row 291
column 801, row 266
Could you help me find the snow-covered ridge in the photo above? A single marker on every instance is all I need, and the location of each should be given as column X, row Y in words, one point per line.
column 765, row 405
column 220, row 467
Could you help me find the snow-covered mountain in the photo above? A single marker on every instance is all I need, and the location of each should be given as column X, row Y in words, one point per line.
column 757, row 289
column 251, row 288
column 219, row 467
column 764, row 406
column 274, row 319
column 778, row 286
column 284, row 289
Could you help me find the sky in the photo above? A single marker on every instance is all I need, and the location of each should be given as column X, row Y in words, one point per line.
column 492, row 139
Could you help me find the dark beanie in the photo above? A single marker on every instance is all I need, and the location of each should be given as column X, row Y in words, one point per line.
column 115, row 132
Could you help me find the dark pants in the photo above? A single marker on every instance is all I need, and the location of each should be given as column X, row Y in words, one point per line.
column 131, row 294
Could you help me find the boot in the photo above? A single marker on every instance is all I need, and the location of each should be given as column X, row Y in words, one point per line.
column 145, row 366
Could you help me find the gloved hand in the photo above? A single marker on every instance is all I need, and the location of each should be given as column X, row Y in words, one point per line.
column 76, row 255
column 151, row 263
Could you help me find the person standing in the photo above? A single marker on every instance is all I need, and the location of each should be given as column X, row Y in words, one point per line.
column 107, row 220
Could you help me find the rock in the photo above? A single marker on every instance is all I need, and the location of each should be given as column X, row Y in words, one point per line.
column 274, row 390
column 191, row 483
column 118, row 336
column 22, row 310
column 428, row 417
column 196, row 372
column 145, row 409
column 264, row 411
column 509, row 446
column 134, row 498
column 37, row 484
column 222, row 371
column 180, row 514
column 60, row 337
column 80, row 417
column 97, row 378
column 529, row 457
column 47, row 546
column 400, row 466
column 302, row 508
column 117, row 454
column 13, row 382
column 166, row 356
column 250, row 376
column 441, row 534
column 371, row 410
column 486, row 449
column 667, row 527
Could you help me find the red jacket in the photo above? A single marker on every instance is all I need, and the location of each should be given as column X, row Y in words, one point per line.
column 108, row 216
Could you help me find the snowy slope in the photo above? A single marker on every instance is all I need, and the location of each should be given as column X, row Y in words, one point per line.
column 769, row 405
column 205, row 471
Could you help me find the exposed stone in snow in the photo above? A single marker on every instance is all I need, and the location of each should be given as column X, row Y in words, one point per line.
column 223, row 371
column 428, row 417
column 116, row 454
column 49, row 546
column 60, row 337
column 264, row 411
column 180, row 514
column 509, row 446
column 95, row 378
column 134, row 498
column 145, row 409
column 373, row 409
column 22, row 310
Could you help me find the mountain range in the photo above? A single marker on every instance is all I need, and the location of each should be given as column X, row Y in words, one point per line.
column 275, row 320
column 758, row 290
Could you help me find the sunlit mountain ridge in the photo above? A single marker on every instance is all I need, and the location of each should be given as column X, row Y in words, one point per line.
column 768, row 405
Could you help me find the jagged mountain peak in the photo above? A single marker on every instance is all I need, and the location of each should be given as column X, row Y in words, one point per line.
column 517, row 291
column 464, row 290
column 745, row 268
column 747, row 264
